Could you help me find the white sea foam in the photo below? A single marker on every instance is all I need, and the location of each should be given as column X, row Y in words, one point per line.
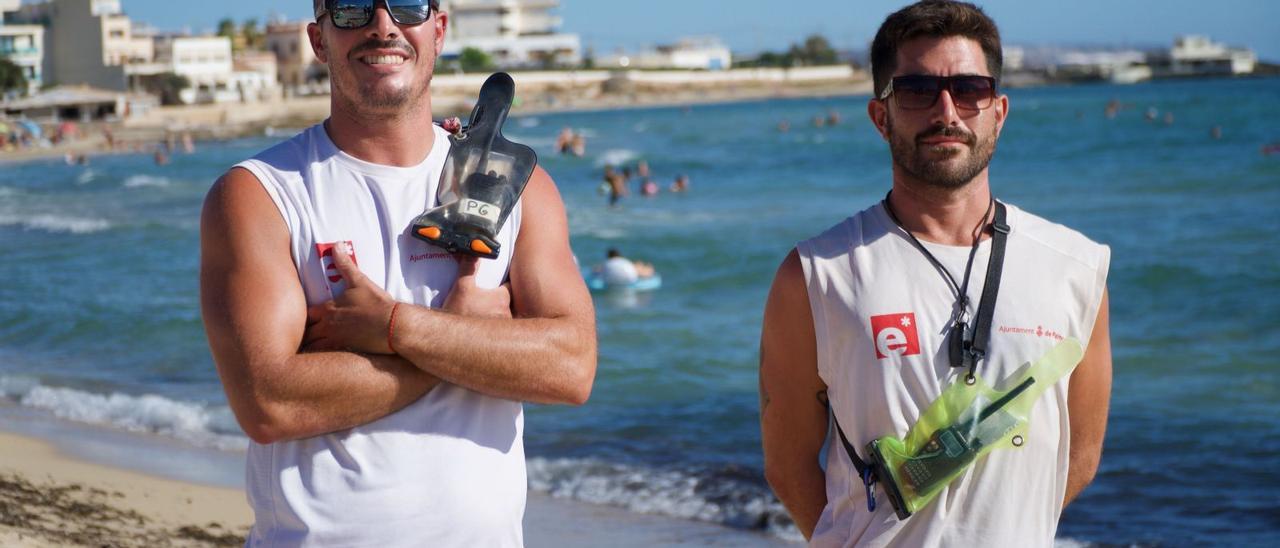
column 702, row 496
column 531, row 121
column 56, row 223
column 616, row 157
column 193, row 423
column 137, row 181
column 85, row 177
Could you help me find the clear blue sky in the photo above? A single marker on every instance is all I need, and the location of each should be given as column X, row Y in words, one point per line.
column 754, row 25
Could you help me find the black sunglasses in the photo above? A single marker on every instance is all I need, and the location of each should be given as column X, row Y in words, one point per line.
column 921, row 91
column 353, row 14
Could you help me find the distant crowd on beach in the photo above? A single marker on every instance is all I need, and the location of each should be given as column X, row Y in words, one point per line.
column 75, row 142
column 617, row 182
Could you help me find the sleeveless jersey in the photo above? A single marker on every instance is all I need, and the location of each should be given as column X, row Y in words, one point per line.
column 447, row 470
column 881, row 313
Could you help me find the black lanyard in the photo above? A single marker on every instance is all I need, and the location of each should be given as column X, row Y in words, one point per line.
column 968, row 352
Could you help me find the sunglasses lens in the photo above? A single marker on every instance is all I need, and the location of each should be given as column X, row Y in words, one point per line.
column 410, row 12
column 915, row 92
column 351, row 14
column 972, row 92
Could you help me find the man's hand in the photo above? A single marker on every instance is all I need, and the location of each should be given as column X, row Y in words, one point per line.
column 468, row 299
column 358, row 320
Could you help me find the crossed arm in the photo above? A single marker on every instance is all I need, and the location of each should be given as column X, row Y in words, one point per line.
column 291, row 373
column 793, row 412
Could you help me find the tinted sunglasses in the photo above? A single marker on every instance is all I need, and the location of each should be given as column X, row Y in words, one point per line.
column 920, row 91
column 353, row 14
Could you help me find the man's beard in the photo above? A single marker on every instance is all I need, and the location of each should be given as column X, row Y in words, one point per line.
column 373, row 102
column 908, row 154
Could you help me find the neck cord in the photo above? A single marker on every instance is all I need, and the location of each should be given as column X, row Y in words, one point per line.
column 961, row 290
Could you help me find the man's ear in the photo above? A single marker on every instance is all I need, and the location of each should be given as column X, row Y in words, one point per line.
column 878, row 111
column 1002, row 112
column 442, row 28
column 317, row 43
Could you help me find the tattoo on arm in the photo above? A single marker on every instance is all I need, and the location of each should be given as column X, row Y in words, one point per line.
column 764, row 395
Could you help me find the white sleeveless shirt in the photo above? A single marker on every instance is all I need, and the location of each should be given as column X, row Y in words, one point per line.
column 880, row 313
column 449, row 469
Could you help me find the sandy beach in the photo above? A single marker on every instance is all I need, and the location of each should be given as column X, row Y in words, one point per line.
column 50, row 497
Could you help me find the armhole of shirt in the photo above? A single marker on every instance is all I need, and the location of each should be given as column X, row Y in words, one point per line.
column 270, row 185
column 1095, row 300
column 817, row 308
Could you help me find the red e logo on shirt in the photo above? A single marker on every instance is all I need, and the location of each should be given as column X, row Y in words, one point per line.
column 895, row 335
column 326, row 260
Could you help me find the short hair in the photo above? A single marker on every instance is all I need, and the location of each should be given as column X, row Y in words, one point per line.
column 613, row 252
column 933, row 19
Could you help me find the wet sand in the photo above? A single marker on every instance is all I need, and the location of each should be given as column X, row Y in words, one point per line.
column 49, row 498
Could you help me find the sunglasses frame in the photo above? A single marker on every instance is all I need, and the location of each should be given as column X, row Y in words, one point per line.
column 327, row 7
column 947, row 83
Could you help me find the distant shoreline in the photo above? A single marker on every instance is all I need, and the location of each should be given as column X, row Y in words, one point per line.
column 143, row 133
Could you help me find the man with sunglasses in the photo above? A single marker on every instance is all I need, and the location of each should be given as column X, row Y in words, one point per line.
column 378, row 377
column 867, row 323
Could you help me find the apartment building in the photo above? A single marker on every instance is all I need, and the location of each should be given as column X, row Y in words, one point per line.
column 297, row 69
column 23, row 45
column 516, row 33
column 86, row 42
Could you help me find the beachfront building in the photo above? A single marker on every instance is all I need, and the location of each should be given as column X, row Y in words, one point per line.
column 23, row 45
column 87, row 42
column 695, row 53
column 1121, row 67
column 516, row 33
column 216, row 76
column 297, row 69
column 255, row 76
column 1195, row 55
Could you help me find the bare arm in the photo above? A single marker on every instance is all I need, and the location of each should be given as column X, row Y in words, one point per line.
column 255, row 315
column 545, row 354
column 1088, row 398
column 793, row 413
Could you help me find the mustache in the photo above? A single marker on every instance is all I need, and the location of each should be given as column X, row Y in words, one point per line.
column 374, row 44
column 947, row 131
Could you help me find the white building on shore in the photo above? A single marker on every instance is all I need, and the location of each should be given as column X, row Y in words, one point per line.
column 1195, row 55
column 23, row 45
column 516, row 33
column 215, row 75
column 695, row 53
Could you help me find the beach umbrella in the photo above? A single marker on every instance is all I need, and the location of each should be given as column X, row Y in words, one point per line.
column 32, row 128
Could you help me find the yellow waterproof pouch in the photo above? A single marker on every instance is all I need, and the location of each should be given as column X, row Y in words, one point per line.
column 966, row 422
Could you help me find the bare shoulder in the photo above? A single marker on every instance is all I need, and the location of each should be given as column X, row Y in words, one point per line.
column 240, row 221
column 788, row 289
column 236, row 193
column 541, row 197
column 544, row 275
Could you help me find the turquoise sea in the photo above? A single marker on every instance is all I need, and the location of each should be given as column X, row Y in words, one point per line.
column 100, row 325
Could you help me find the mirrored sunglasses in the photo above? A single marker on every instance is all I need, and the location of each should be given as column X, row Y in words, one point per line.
column 354, row 14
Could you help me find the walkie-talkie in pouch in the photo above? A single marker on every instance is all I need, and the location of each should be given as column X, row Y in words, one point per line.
column 483, row 178
column 965, row 423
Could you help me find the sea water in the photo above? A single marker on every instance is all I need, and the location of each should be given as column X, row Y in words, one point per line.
column 100, row 321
